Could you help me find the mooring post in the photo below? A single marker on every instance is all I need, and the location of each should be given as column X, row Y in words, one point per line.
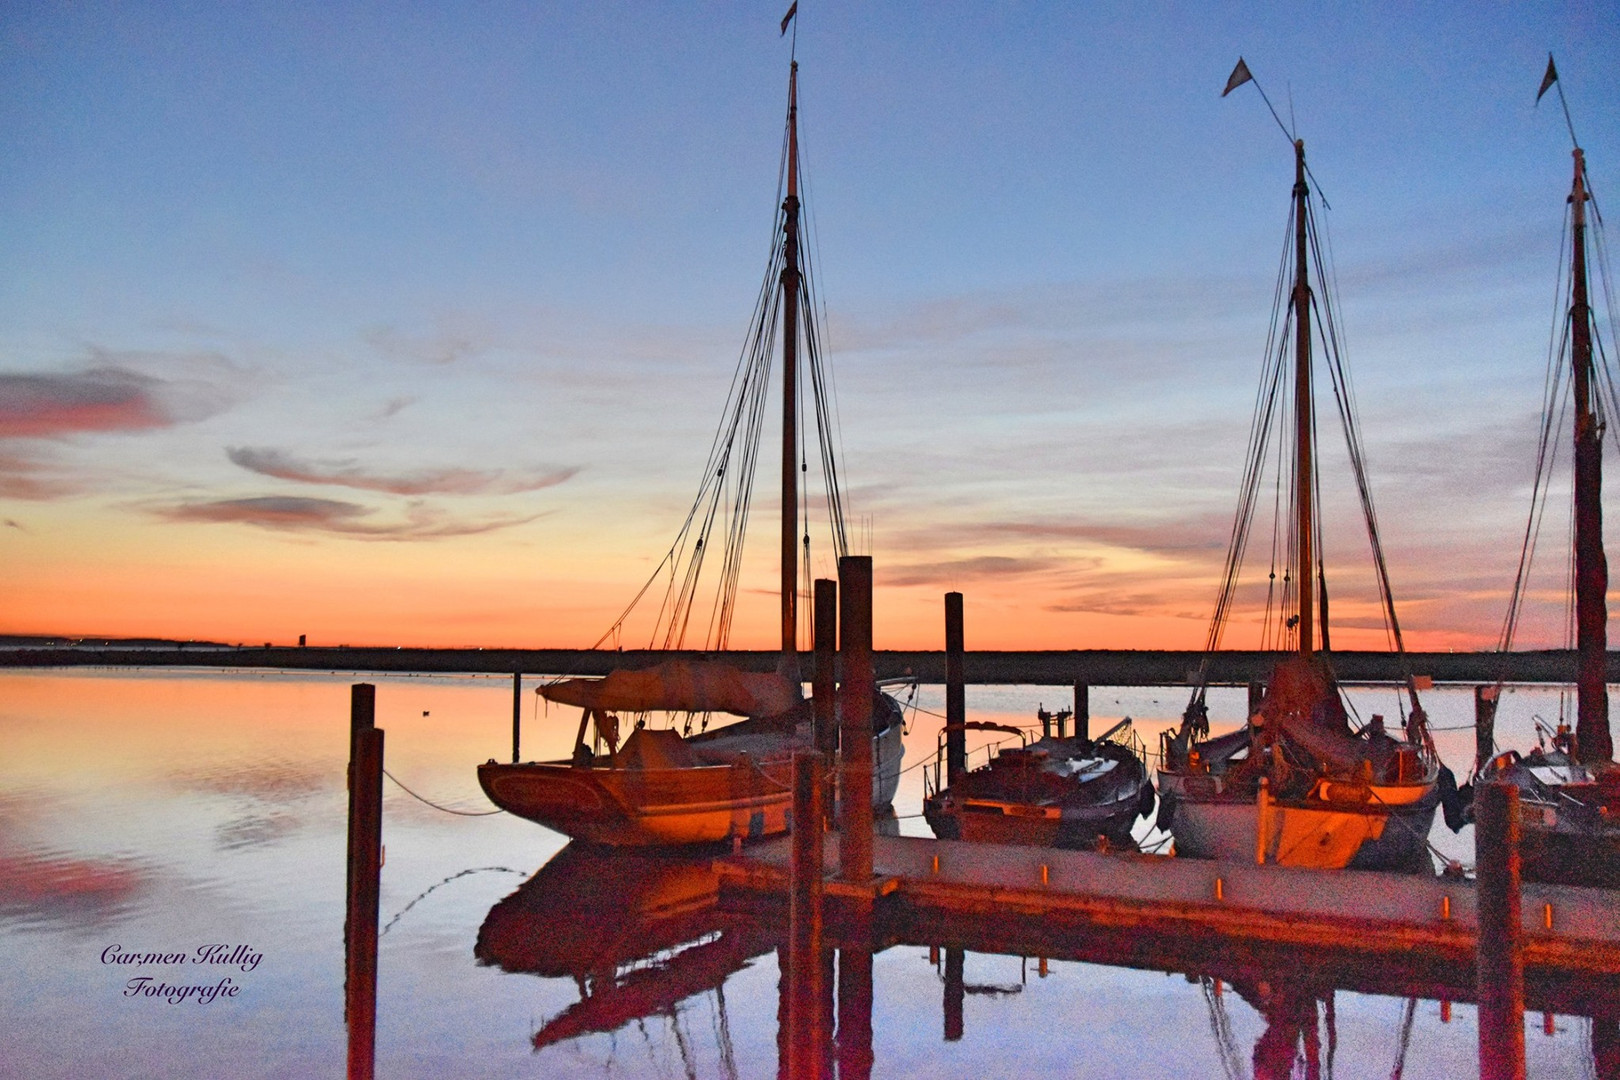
column 855, row 705
column 517, row 713
column 1500, row 958
column 1485, row 699
column 365, row 868
column 955, row 994
column 805, row 1038
column 1082, row 711
column 955, row 691
column 1257, row 696
column 824, row 688
column 362, row 717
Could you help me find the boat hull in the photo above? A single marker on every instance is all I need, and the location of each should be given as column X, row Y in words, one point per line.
column 706, row 804
column 1005, row 822
column 1310, row 833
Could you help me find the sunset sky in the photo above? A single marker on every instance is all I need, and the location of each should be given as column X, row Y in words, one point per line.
column 411, row 324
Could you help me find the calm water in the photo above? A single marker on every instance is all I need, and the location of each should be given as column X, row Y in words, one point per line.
column 167, row 812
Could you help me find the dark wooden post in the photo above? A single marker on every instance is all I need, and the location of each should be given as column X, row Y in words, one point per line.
column 805, row 1038
column 365, row 868
column 955, row 691
column 1082, row 712
column 1257, row 696
column 1500, row 959
column 855, row 703
column 825, row 686
column 955, row 993
column 517, row 713
column 362, row 717
column 1485, row 699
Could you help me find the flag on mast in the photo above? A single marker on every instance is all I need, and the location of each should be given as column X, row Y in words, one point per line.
column 1548, row 79
column 1240, row 75
column 792, row 11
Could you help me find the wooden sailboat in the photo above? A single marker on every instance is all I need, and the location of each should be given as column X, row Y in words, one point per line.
column 1300, row 784
column 1058, row 791
column 661, row 786
column 1570, row 790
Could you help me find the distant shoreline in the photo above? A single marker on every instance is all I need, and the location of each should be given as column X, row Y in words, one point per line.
column 1095, row 667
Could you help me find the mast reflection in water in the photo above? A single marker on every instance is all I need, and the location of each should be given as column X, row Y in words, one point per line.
column 172, row 809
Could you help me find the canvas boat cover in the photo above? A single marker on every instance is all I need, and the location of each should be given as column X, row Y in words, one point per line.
column 680, row 686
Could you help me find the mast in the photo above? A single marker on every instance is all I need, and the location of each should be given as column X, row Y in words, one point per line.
column 1304, row 490
column 1592, row 738
column 790, row 389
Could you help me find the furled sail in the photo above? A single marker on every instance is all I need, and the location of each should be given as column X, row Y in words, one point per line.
column 680, row 686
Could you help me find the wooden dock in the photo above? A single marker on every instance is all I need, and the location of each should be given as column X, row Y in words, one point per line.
column 1095, row 667
column 1354, row 930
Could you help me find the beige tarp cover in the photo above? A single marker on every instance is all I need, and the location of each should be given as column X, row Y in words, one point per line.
column 680, row 686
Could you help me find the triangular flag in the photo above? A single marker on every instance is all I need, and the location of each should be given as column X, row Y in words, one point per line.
column 1240, row 75
column 792, row 11
column 1548, row 79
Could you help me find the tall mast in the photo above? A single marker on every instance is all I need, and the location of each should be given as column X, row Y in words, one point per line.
column 790, row 388
column 1304, row 490
column 1592, row 736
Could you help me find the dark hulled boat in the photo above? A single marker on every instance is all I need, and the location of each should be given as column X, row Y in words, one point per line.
column 1067, row 792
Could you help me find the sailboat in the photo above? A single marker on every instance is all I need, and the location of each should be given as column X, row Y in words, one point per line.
column 661, row 786
column 1569, row 791
column 1301, row 783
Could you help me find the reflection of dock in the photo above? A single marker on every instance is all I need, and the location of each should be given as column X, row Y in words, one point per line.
column 1376, row 933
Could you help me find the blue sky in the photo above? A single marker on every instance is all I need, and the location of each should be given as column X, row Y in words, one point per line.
column 472, row 280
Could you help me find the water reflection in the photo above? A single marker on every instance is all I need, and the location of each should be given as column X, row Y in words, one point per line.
column 640, row 935
column 637, row 933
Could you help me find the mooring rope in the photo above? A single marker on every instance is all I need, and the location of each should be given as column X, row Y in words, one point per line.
column 423, row 894
column 436, row 806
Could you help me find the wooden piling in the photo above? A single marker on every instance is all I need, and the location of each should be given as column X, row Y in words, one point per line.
column 805, row 1037
column 1082, row 711
column 1485, row 699
column 824, row 687
column 1500, row 959
column 955, row 994
column 517, row 713
column 855, row 700
column 362, row 717
column 955, row 691
column 365, row 869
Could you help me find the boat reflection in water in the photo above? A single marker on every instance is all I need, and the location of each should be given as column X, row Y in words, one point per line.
column 640, row 933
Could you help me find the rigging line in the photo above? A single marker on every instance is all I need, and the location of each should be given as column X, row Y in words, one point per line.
column 1570, row 124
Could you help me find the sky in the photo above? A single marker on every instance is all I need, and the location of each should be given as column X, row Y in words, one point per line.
column 412, row 324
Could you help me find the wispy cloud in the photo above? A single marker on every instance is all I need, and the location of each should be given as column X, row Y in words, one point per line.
column 26, row 476
column 346, row 472
column 42, row 405
column 975, row 568
column 289, row 513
